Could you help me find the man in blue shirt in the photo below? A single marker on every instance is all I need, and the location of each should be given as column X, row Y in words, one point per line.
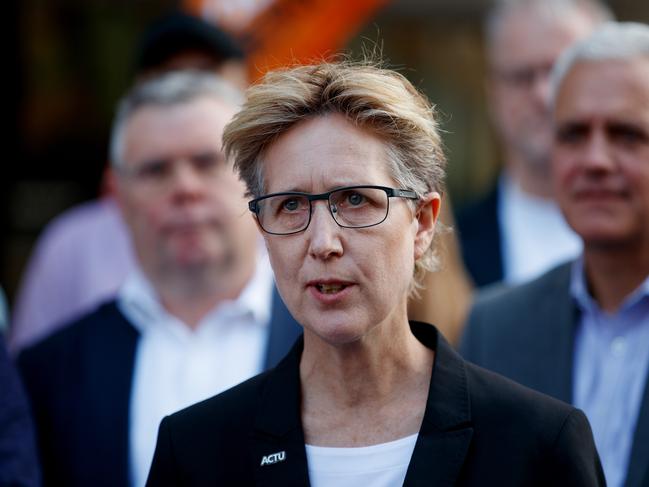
column 581, row 331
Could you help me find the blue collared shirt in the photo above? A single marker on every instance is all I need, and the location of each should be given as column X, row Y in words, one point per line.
column 610, row 370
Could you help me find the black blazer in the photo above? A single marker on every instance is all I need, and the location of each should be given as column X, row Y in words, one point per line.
column 79, row 382
column 478, row 429
column 527, row 333
column 479, row 234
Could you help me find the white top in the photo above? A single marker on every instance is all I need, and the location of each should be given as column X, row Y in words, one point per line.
column 382, row 465
column 176, row 366
column 535, row 236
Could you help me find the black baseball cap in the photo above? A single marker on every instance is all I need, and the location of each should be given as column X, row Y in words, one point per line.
column 177, row 32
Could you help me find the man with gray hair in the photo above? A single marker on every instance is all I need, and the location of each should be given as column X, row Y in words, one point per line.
column 200, row 314
column 581, row 331
column 516, row 232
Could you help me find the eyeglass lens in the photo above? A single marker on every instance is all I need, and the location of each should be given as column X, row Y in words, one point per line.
column 350, row 207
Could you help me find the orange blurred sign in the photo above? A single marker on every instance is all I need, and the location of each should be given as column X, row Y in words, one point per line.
column 280, row 32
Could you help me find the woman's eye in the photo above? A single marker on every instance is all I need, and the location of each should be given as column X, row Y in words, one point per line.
column 290, row 205
column 355, row 199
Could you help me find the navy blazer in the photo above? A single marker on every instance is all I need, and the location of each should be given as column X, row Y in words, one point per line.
column 18, row 460
column 79, row 382
column 478, row 230
column 479, row 429
column 527, row 333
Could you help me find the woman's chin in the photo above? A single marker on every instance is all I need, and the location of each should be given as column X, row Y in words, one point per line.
column 337, row 333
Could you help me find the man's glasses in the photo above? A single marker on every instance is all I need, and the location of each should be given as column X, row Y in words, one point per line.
column 351, row 207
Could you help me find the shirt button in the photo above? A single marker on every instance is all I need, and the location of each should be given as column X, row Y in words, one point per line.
column 618, row 346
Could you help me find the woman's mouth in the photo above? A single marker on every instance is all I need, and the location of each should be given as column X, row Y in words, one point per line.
column 330, row 291
column 330, row 288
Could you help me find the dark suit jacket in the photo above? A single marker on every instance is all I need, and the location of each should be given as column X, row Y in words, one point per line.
column 79, row 382
column 478, row 429
column 18, row 460
column 527, row 334
column 478, row 230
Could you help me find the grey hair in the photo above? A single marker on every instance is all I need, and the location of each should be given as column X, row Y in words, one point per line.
column 552, row 9
column 612, row 41
column 173, row 88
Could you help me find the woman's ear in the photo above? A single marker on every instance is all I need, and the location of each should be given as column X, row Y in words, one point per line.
column 427, row 213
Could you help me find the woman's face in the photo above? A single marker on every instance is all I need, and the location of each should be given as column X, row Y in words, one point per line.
column 341, row 283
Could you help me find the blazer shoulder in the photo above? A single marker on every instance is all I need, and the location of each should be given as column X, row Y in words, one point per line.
column 502, row 296
column 502, row 312
column 539, row 437
column 99, row 328
column 493, row 395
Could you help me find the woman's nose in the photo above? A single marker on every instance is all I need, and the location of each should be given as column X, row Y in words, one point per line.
column 323, row 232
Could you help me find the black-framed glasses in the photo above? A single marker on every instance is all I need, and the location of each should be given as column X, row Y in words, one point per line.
column 351, row 207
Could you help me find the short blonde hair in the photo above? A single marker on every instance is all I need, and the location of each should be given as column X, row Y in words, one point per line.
column 376, row 99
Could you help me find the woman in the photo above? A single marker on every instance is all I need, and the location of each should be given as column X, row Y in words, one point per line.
column 345, row 167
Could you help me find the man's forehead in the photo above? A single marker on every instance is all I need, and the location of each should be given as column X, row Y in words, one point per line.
column 200, row 105
column 532, row 35
column 615, row 88
column 164, row 131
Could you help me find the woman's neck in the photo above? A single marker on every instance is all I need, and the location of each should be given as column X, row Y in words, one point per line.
column 347, row 390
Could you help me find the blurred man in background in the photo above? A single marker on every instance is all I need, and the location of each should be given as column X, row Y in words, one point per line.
column 199, row 315
column 517, row 232
column 581, row 331
column 84, row 255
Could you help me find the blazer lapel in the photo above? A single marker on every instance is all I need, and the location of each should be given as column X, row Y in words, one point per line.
column 446, row 430
column 109, row 366
column 638, row 471
column 277, row 445
column 284, row 330
column 556, row 315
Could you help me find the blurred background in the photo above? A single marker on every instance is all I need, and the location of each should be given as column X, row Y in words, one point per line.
column 74, row 58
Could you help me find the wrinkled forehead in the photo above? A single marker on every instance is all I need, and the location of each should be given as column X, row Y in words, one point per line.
column 324, row 152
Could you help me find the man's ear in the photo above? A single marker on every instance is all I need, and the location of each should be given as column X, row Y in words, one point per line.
column 428, row 209
column 113, row 186
column 107, row 187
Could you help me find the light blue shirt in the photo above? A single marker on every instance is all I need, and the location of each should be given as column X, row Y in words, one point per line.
column 610, row 370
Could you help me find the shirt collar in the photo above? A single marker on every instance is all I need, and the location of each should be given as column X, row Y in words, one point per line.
column 579, row 289
column 139, row 301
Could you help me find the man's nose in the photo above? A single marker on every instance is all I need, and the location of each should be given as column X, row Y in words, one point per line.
column 323, row 232
column 185, row 180
column 597, row 153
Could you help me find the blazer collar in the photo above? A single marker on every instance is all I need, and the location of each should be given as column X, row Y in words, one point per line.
column 108, row 393
column 443, row 441
column 446, row 430
column 278, row 426
column 638, row 470
column 557, row 315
